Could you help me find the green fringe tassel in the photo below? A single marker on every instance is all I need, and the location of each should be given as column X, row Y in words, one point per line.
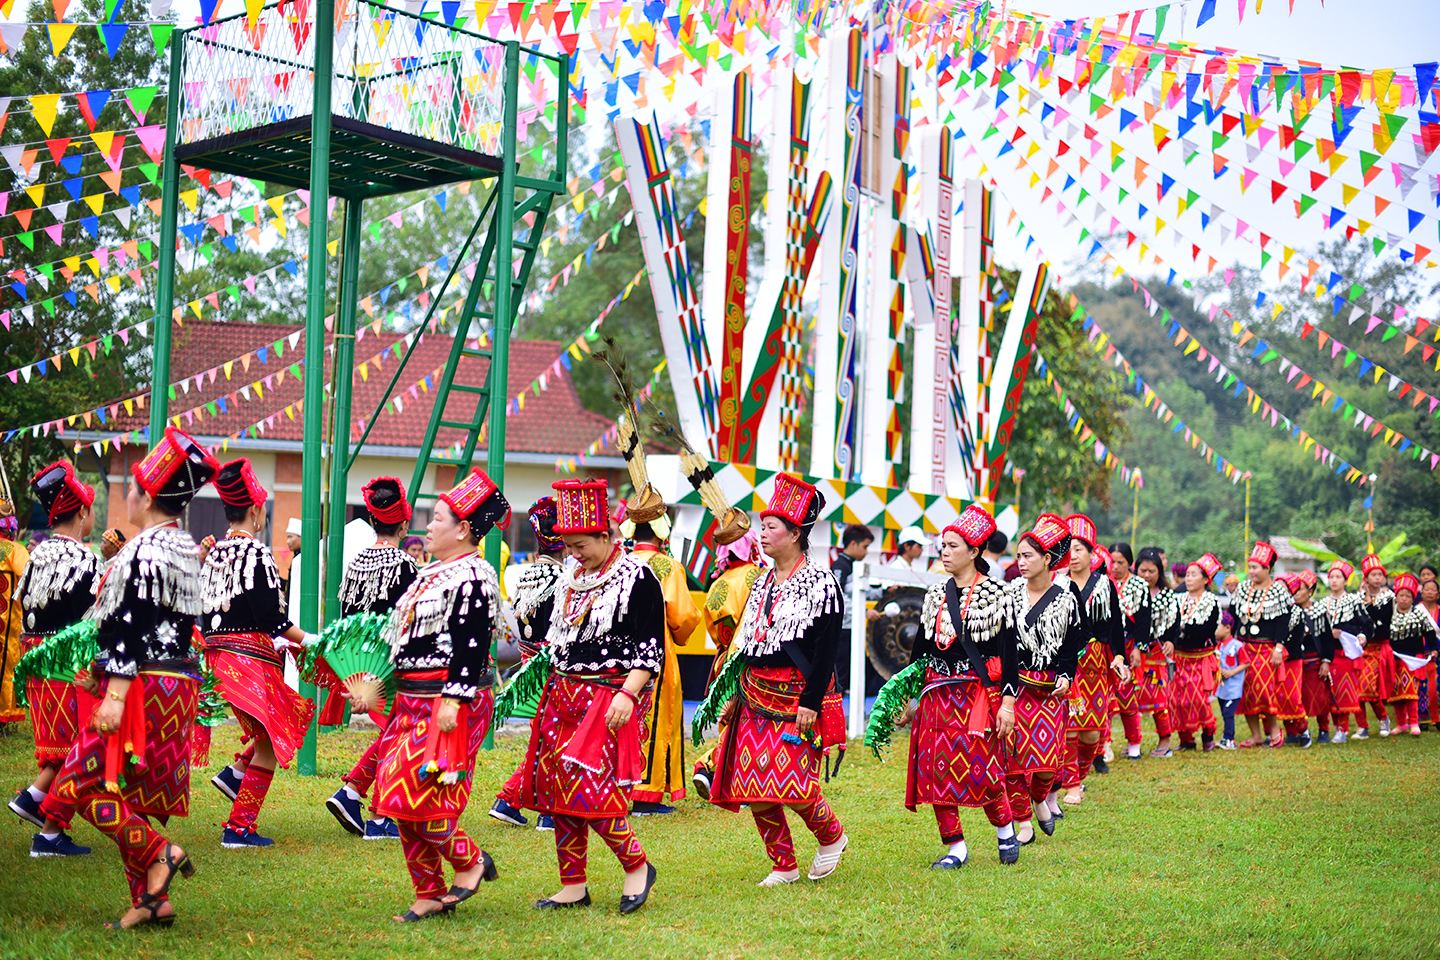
column 361, row 635
column 725, row 688
column 891, row 702
column 213, row 710
column 59, row 658
column 525, row 687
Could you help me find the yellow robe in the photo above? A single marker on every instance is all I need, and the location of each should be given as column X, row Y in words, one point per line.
column 664, row 742
column 13, row 557
column 724, row 606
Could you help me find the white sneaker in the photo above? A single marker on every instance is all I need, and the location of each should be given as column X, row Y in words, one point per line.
column 1338, row 737
column 1362, row 734
column 1227, row 744
column 1109, row 753
column 1384, row 728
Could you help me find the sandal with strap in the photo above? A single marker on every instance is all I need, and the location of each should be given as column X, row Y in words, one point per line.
column 461, row 894
column 184, row 866
column 152, row 903
column 410, row 916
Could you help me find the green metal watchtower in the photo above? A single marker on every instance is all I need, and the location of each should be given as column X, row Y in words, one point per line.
column 414, row 103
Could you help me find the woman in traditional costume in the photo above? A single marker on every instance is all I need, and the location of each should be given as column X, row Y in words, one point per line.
column 1377, row 666
column 440, row 638
column 784, row 710
column 1101, row 663
column 1262, row 606
column 1414, row 640
column 605, row 642
column 1195, row 678
column 55, row 590
column 956, row 759
column 146, row 680
column 1315, row 699
column 1341, row 618
column 1044, row 623
column 373, row 583
column 247, row 634
column 1152, row 663
column 1135, row 606
column 534, row 605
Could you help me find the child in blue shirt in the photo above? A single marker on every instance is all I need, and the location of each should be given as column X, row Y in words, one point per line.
column 1232, row 676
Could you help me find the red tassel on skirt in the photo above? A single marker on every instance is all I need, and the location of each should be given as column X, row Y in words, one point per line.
column 948, row 764
column 254, row 684
column 570, row 724
column 1259, row 692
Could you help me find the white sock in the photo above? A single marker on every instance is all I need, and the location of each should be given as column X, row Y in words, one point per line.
column 52, row 837
column 36, row 794
column 959, row 850
column 237, row 769
column 352, row 793
column 1005, row 832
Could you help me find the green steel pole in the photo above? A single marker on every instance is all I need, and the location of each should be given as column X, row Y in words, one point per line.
column 500, row 329
column 169, row 216
column 315, row 272
column 344, row 368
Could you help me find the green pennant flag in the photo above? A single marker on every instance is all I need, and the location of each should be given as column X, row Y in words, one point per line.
column 27, row 238
column 1160, row 13
column 1302, row 147
column 1368, row 160
column 160, row 35
column 1305, row 204
column 141, row 98
column 1390, row 331
column 151, row 171
column 1217, row 139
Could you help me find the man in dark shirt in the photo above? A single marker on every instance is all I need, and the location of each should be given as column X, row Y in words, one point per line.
column 854, row 544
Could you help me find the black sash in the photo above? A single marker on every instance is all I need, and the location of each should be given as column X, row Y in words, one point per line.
column 1033, row 616
column 972, row 653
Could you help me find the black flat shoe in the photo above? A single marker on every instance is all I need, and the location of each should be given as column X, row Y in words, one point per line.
column 548, row 904
column 153, row 903
column 632, row 903
column 949, row 862
column 461, row 894
column 410, row 916
column 1009, row 851
column 1060, row 814
column 1100, row 766
column 1048, row 826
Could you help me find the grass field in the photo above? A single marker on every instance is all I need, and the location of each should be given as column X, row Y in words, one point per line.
column 1325, row 853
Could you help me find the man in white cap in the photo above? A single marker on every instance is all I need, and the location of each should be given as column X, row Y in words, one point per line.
column 911, row 542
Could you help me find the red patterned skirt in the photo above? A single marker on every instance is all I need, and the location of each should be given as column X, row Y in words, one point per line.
column 760, row 757
column 1289, row 680
column 1038, row 744
column 1151, row 684
column 1259, row 696
column 575, row 765
column 1314, row 691
column 153, row 775
column 1344, row 684
column 948, row 764
column 1377, row 672
column 424, row 774
column 1090, row 694
column 1191, row 691
column 1126, row 698
column 54, row 712
column 1407, row 681
column 252, row 680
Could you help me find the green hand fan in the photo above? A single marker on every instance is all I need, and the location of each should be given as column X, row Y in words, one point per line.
column 353, row 657
column 59, row 658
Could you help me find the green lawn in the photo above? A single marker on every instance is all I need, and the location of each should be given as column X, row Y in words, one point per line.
column 1325, row 853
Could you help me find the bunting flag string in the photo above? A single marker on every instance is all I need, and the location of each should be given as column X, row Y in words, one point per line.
column 1084, row 433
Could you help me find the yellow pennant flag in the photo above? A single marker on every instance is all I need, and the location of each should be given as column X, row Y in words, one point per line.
column 60, row 34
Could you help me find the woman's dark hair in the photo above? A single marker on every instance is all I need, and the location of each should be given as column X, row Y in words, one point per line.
column 386, row 529
column 804, row 532
column 997, row 542
column 643, row 531
column 856, row 533
column 65, row 517
column 1432, row 570
column 234, row 514
column 172, row 505
column 1151, row 555
column 1123, row 549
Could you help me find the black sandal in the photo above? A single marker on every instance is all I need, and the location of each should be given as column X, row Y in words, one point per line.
column 184, row 866
column 153, row 903
column 410, row 916
column 461, row 894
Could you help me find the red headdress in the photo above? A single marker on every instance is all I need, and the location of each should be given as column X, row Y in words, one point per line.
column 59, row 491
column 1082, row 528
column 1292, row 582
column 1210, row 564
column 1101, row 559
column 974, row 525
column 1052, row 534
column 1407, row 581
column 582, row 506
column 385, row 499
column 544, row 514
column 478, row 500
column 1343, row 567
column 1371, row 562
column 795, row 501
column 175, row 469
column 1263, row 554
column 1308, row 578
column 237, row 485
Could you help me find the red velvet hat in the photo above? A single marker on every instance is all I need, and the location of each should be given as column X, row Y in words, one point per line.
column 974, row 525
column 1263, row 554
column 1052, row 534
column 1292, row 582
column 59, row 491
column 478, row 500
column 582, row 506
column 237, row 485
column 794, row 500
column 1100, row 560
column 385, row 499
column 1406, row 581
column 1308, row 578
column 1082, row 528
column 1343, row 567
column 1371, row 562
column 175, row 468
column 545, row 512
column 1210, row 564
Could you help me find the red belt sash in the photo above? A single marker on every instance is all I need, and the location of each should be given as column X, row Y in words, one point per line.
column 254, row 644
